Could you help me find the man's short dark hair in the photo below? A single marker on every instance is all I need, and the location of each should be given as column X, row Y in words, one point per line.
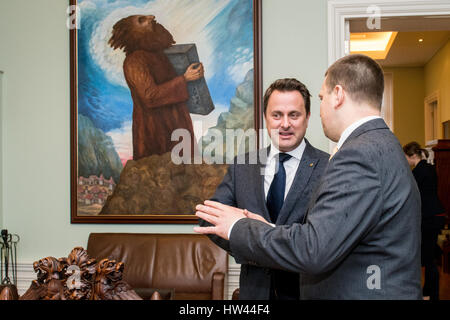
column 360, row 76
column 288, row 84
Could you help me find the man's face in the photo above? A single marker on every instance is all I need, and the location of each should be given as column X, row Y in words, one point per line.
column 326, row 112
column 153, row 34
column 144, row 23
column 286, row 114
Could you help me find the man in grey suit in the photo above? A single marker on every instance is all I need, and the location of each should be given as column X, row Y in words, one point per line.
column 361, row 238
column 248, row 185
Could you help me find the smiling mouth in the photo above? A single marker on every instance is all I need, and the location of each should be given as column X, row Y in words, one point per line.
column 285, row 134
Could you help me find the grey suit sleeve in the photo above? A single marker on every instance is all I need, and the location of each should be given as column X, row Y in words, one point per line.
column 347, row 206
column 223, row 194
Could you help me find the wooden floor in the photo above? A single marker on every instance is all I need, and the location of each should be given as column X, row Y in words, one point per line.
column 444, row 284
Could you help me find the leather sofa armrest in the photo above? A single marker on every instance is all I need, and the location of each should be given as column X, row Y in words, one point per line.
column 218, row 286
column 156, row 296
column 155, row 293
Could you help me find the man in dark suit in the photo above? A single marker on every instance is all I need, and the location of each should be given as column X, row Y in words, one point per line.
column 361, row 238
column 248, row 185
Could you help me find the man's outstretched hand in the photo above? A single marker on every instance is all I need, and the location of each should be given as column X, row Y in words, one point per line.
column 222, row 217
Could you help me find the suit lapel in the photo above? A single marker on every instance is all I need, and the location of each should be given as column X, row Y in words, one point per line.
column 302, row 176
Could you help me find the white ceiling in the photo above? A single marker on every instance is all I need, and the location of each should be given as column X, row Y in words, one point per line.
column 407, row 51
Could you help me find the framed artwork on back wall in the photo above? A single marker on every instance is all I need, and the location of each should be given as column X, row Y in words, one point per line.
column 157, row 89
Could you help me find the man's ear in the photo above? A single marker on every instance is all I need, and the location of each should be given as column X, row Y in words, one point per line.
column 308, row 115
column 339, row 96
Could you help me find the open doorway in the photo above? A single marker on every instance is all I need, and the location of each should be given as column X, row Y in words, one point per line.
column 420, row 27
column 431, row 118
column 412, row 56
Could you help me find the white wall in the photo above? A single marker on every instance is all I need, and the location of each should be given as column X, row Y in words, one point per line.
column 1, row 149
column 295, row 45
column 35, row 148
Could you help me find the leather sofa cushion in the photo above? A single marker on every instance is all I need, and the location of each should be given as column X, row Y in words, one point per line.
column 183, row 262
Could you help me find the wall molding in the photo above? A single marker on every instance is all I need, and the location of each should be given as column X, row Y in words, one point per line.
column 433, row 127
column 26, row 274
column 234, row 271
column 387, row 110
column 340, row 11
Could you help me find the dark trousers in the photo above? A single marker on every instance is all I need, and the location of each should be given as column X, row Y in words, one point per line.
column 430, row 233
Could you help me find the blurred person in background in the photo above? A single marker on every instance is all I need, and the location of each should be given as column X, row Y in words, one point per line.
column 433, row 214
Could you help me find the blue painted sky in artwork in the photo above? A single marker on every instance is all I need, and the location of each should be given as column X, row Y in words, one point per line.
column 228, row 53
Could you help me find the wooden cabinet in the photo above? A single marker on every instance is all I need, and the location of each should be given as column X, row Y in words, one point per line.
column 442, row 160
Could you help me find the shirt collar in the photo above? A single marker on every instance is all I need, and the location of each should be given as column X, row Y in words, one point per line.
column 297, row 153
column 348, row 131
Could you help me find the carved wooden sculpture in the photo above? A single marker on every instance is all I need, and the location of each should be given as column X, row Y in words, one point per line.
column 79, row 277
column 108, row 283
column 80, row 273
column 49, row 284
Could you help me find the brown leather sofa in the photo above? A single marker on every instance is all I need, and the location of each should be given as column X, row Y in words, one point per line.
column 179, row 266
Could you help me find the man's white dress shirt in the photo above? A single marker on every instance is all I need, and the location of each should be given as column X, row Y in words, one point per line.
column 290, row 166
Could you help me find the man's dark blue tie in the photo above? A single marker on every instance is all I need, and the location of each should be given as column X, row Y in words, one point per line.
column 275, row 196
